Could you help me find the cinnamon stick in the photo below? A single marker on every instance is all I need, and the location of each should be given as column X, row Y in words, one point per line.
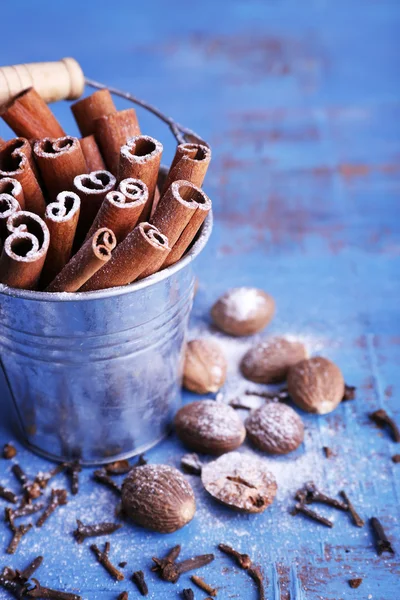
column 87, row 110
column 92, row 154
column 140, row 249
column 140, row 158
column 59, row 161
column 190, row 163
column 189, row 233
column 92, row 188
column 61, row 218
column 95, row 252
column 8, row 206
column 12, row 187
column 112, row 132
column 120, row 212
column 16, row 161
column 24, row 250
column 175, row 209
column 29, row 116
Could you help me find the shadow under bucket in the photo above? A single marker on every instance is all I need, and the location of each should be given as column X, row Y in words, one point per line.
column 97, row 376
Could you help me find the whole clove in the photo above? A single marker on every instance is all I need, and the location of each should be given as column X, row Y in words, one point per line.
column 73, row 470
column 38, row 591
column 349, row 392
column 119, row 467
column 57, row 498
column 305, row 510
column 354, row 514
column 191, row 464
column 100, row 475
column 123, row 596
column 382, row 419
column 243, row 560
column 396, row 458
column 163, row 565
column 309, row 494
column 104, row 560
column 203, row 585
column 19, row 474
column 8, row 495
column 85, row 531
column 31, row 489
column 139, row 580
column 187, row 594
column 9, row 451
column 12, row 586
column 171, row 571
column 355, row 583
column 382, row 542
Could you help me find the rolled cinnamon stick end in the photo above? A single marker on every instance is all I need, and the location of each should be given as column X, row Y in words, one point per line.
column 112, row 132
column 16, row 161
column 189, row 233
column 24, row 250
column 92, row 154
column 175, row 209
column 29, row 116
column 140, row 158
column 59, row 161
column 190, row 163
column 141, row 249
column 91, row 188
column 11, row 186
column 93, row 255
column 8, row 206
column 121, row 212
column 86, row 111
column 61, row 218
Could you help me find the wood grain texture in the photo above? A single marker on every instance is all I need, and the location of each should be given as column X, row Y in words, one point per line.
column 299, row 102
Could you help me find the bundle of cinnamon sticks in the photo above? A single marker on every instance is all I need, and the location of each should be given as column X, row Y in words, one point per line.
column 96, row 212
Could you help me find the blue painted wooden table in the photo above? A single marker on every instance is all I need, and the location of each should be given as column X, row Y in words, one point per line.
column 300, row 102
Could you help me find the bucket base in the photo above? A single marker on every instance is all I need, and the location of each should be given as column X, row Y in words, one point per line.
column 103, row 461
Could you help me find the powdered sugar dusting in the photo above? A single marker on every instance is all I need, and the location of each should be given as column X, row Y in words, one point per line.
column 275, row 428
column 210, row 420
column 243, row 303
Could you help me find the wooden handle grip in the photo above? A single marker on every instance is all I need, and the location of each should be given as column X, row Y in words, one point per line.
column 61, row 80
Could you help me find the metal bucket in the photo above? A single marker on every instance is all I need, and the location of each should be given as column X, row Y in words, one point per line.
column 97, row 376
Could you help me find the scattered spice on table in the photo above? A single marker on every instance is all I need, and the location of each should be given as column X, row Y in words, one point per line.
column 9, row 451
column 382, row 419
column 396, row 458
column 327, row 451
column 244, row 561
column 139, row 580
column 383, row 544
column 104, row 560
column 349, row 392
column 122, row 564
column 355, row 583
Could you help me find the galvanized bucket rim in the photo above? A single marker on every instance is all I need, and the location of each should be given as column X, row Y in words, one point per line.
column 197, row 247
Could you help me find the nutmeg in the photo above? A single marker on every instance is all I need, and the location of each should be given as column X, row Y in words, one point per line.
column 270, row 360
column 240, row 481
column 205, row 367
column 158, row 497
column 209, row 427
column 316, row 385
column 243, row 311
column 275, row 428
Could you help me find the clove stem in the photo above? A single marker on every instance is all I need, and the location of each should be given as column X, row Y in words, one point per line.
column 356, row 517
column 243, row 560
column 381, row 418
column 42, row 592
column 301, row 508
column 85, row 531
column 203, row 585
column 8, row 495
column 57, row 498
column 104, row 560
column 31, row 568
column 255, row 573
column 101, row 477
column 18, row 534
